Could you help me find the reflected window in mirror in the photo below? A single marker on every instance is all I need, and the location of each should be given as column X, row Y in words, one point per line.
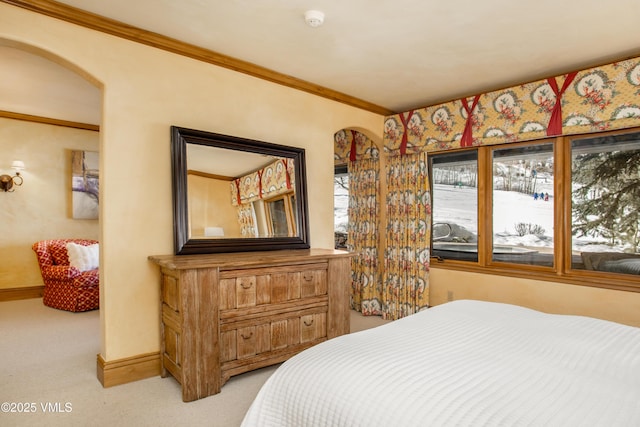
column 281, row 216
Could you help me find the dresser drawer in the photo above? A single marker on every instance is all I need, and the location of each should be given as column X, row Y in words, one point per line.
column 256, row 339
column 255, row 287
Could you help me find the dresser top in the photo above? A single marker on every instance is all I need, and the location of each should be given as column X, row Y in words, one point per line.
column 245, row 259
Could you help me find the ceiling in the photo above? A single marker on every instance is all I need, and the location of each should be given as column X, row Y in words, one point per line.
column 33, row 85
column 225, row 163
column 395, row 54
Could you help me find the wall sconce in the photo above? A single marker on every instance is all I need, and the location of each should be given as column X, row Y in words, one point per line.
column 7, row 181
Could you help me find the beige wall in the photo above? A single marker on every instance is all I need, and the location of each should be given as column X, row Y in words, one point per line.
column 550, row 297
column 210, row 206
column 41, row 208
column 145, row 91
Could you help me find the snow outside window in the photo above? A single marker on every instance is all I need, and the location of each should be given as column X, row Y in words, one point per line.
column 454, row 181
column 341, row 206
column 605, row 203
column 523, row 201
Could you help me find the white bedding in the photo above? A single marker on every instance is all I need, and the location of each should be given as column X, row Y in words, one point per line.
column 464, row 363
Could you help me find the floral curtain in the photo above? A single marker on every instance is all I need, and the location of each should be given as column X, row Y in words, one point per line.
column 363, row 165
column 408, row 235
column 246, row 218
column 364, row 182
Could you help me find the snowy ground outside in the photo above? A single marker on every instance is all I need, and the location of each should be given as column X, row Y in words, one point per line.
column 510, row 208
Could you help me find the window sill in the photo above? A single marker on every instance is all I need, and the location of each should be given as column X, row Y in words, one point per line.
column 580, row 278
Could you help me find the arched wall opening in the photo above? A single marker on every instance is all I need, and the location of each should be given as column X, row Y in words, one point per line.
column 52, row 108
column 358, row 154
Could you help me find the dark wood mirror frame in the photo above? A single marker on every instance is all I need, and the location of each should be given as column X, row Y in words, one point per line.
column 183, row 244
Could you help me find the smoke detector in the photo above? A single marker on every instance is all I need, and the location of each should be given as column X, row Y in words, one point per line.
column 314, row 18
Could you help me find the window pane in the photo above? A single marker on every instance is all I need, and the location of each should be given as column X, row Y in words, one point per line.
column 523, row 204
column 605, row 203
column 340, row 207
column 454, row 180
column 278, row 214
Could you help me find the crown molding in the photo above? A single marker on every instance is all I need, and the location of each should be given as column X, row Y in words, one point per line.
column 99, row 23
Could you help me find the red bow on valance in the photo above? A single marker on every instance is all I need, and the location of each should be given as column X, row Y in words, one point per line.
column 352, row 154
column 467, row 135
column 260, row 172
column 405, row 133
column 237, row 181
column 287, row 175
column 555, row 122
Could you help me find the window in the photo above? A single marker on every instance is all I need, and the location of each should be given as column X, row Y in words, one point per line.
column 522, row 204
column 454, row 186
column 281, row 217
column 605, row 203
column 565, row 209
column 341, row 206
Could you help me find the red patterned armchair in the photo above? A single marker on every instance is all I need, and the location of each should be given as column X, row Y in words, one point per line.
column 69, row 285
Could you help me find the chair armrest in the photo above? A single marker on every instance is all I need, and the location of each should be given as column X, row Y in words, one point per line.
column 59, row 272
column 95, row 273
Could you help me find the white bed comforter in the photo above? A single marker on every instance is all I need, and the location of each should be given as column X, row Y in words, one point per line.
column 464, row 363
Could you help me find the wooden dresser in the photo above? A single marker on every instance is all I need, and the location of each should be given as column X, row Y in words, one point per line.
column 225, row 314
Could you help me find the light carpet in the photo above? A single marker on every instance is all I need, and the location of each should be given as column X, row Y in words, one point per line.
column 48, row 367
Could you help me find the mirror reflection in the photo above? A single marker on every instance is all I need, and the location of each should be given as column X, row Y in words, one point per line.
column 233, row 194
column 237, row 194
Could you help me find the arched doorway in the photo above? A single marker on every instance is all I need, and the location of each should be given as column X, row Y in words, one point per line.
column 357, row 178
column 49, row 109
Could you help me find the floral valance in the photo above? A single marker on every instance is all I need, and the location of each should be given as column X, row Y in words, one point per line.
column 351, row 145
column 593, row 100
column 276, row 178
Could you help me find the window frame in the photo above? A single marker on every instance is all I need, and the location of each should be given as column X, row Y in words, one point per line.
column 562, row 270
column 488, row 202
column 455, row 154
column 290, row 216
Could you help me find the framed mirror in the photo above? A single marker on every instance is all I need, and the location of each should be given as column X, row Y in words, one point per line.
column 234, row 194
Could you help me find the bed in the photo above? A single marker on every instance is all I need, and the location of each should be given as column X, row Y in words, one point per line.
column 464, row 363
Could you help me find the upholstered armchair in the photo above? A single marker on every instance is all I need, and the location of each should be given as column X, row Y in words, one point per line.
column 69, row 269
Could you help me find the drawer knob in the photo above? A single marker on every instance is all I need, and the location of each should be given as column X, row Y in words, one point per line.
column 246, row 285
column 308, row 322
column 308, row 277
column 246, row 337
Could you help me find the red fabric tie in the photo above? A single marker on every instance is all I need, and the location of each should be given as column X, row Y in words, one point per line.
column 237, row 181
column 286, row 174
column 260, row 182
column 405, row 133
column 555, row 122
column 352, row 154
column 467, row 135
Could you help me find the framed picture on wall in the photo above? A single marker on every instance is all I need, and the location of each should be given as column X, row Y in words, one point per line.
column 84, row 184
